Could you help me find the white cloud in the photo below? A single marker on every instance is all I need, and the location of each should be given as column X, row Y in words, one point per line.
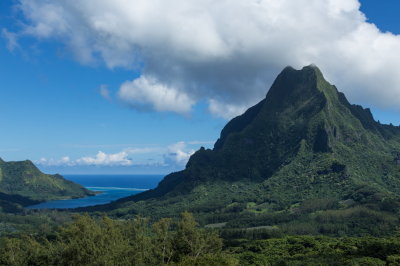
column 225, row 110
column 65, row 159
column 226, row 52
column 101, row 158
column 178, row 154
column 11, row 38
column 146, row 93
column 52, row 162
column 113, row 159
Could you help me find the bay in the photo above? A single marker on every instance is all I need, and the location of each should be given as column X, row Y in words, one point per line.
column 112, row 187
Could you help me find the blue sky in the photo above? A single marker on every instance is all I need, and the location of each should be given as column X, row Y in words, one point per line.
column 74, row 105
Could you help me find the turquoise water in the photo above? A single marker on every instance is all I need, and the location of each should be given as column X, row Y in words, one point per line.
column 112, row 187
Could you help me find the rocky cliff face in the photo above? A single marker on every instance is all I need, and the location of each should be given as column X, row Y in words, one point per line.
column 302, row 119
column 303, row 142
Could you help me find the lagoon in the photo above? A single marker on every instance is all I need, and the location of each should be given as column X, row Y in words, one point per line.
column 111, row 188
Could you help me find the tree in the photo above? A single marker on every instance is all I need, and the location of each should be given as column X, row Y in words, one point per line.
column 163, row 240
column 192, row 241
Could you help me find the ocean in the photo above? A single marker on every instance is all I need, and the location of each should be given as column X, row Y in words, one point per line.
column 112, row 187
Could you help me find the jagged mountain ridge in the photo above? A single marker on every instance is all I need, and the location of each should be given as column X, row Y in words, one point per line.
column 304, row 141
column 301, row 111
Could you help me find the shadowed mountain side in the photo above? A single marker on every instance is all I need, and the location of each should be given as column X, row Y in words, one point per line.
column 303, row 142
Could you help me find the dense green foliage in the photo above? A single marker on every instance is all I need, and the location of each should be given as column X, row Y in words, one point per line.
column 307, row 250
column 303, row 160
column 302, row 178
column 88, row 241
column 103, row 241
column 23, row 184
column 32, row 222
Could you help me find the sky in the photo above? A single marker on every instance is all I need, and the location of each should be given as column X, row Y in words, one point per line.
column 136, row 86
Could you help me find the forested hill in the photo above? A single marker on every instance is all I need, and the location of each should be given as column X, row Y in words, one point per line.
column 304, row 148
column 22, row 183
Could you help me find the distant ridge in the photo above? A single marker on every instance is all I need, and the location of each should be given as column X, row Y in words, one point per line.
column 23, row 184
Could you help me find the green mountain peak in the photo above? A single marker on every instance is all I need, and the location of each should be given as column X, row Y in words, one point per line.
column 303, row 142
column 22, row 184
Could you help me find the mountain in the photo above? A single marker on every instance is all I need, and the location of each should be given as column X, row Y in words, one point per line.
column 23, row 184
column 303, row 156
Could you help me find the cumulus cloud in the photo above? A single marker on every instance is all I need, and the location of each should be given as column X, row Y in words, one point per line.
column 145, row 92
column 51, row 162
column 178, row 154
column 225, row 52
column 102, row 158
column 225, row 110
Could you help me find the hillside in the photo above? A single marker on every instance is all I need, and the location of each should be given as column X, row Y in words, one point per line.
column 23, row 184
column 303, row 158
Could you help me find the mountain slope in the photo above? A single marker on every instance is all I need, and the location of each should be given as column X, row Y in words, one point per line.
column 304, row 143
column 22, row 183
